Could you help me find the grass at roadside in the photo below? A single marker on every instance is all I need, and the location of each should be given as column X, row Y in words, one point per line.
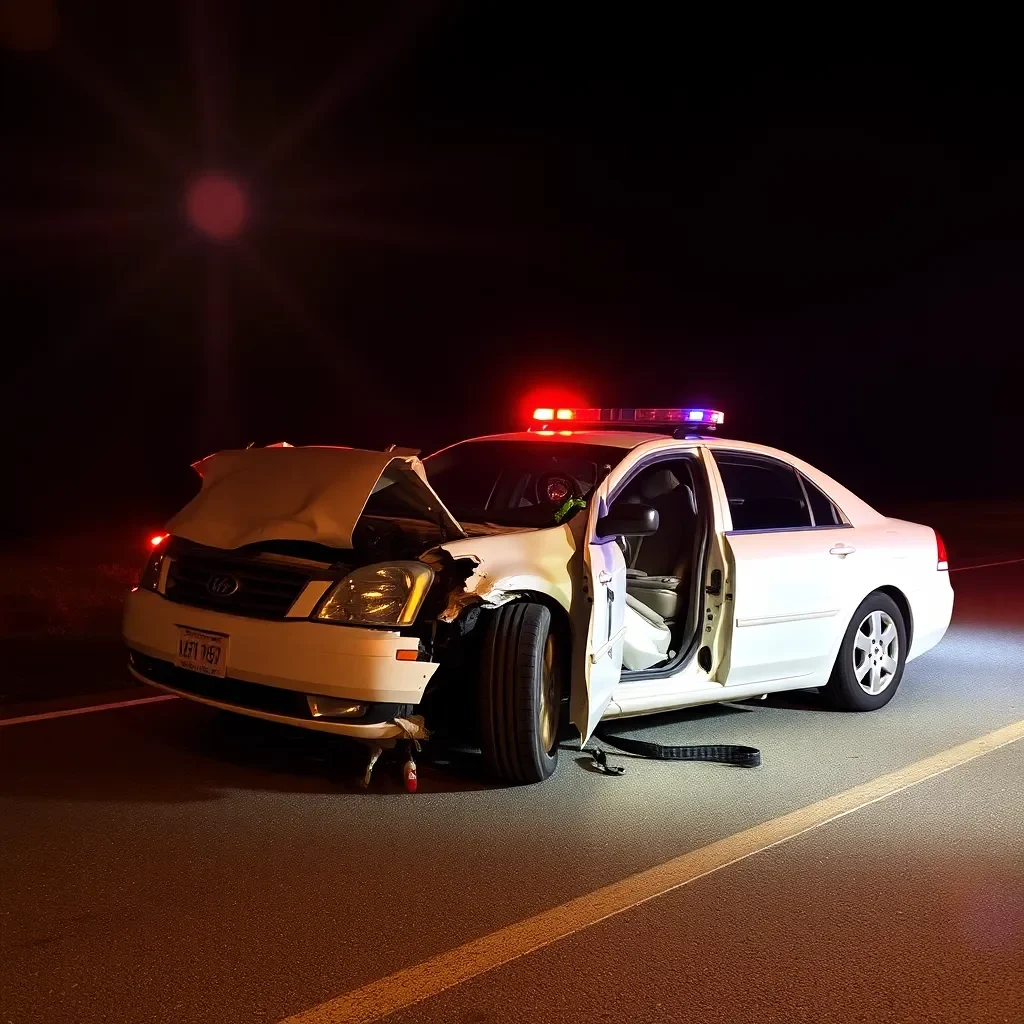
column 60, row 613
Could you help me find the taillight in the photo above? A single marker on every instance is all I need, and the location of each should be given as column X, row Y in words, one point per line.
column 150, row 578
column 941, row 558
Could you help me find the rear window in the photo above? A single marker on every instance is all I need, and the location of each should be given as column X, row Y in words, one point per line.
column 824, row 512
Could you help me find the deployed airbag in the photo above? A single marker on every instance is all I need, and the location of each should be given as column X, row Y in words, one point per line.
column 647, row 640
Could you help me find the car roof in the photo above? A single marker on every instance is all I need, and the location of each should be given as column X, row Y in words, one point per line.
column 610, row 438
column 858, row 510
column 628, row 439
column 625, row 439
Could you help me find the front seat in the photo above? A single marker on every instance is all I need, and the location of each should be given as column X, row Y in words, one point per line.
column 660, row 570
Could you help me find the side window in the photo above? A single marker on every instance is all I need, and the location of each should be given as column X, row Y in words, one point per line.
column 763, row 494
column 824, row 512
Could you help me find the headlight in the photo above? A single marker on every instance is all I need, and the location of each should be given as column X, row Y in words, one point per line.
column 389, row 594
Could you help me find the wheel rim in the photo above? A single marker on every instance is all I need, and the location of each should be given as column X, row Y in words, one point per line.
column 549, row 696
column 876, row 652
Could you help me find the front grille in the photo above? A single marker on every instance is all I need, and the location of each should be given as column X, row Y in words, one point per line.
column 263, row 591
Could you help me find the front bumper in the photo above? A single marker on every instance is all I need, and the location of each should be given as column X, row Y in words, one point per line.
column 288, row 657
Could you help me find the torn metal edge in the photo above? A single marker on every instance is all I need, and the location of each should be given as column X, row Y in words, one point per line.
column 476, row 586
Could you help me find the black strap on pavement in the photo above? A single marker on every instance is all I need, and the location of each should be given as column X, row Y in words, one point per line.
column 721, row 753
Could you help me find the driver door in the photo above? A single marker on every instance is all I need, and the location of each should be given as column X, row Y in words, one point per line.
column 604, row 603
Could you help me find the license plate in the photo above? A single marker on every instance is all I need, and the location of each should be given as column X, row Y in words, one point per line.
column 202, row 652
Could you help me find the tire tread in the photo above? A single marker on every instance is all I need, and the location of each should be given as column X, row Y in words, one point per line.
column 512, row 661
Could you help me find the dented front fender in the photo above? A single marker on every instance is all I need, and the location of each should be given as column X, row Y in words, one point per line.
column 502, row 567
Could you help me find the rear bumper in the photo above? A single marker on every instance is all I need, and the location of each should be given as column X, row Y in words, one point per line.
column 932, row 610
column 290, row 657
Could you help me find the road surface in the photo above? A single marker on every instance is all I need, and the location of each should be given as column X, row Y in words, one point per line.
column 162, row 862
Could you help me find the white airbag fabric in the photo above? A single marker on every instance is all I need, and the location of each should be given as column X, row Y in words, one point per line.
column 646, row 643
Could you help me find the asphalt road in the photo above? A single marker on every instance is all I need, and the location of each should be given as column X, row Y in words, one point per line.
column 165, row 863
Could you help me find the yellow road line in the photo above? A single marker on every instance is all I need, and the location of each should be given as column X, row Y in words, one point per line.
column 413, row 984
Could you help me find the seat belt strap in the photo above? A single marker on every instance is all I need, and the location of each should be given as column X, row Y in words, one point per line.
column 720, row 753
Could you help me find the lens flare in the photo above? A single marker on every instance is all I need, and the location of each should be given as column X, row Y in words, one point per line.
column 216, row 206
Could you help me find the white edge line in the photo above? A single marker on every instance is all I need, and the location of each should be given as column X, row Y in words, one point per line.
column 86, row 710
column 985, row 565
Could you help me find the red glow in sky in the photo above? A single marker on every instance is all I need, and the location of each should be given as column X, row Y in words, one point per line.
column 216, row 206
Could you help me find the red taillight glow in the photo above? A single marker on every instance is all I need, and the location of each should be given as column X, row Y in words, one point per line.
column 157, row 539
column 941, row 558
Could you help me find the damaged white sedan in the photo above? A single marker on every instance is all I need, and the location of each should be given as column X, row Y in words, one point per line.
column 628, row 565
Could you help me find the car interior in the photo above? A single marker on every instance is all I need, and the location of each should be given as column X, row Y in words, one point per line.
column 509, row 483
column 663, row 569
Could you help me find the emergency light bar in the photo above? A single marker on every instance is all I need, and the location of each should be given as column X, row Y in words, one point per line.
column 631, row 417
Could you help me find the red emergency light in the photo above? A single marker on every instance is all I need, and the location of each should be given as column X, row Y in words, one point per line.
column 708, row 418
column 546, row 414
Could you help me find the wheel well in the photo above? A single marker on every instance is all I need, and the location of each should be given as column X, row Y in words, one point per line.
column 561, row 624
column 904, row 606
column 458, row 678
column 560, row 621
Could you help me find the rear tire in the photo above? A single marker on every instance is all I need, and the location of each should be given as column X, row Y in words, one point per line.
column 870, row 663
column 520, row 693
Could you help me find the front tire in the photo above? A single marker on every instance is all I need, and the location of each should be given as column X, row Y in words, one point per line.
column 520, row 693
column 871, row 658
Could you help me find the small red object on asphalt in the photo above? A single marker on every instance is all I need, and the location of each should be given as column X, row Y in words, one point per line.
column 409, row 775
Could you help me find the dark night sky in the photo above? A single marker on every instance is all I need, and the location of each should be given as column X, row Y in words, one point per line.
column 815, row 226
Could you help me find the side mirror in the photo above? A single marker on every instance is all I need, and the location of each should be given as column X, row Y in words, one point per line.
column 625, row 519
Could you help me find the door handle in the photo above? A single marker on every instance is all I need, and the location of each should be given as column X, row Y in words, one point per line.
column 604, row 576
column 842, row 550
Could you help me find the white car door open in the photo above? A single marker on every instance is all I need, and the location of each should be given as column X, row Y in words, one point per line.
column 605, row 568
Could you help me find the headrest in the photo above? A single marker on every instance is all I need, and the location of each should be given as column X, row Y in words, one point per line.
column 659, row 484
column 690, row 498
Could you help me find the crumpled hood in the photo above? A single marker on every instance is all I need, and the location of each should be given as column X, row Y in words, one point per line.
column 308, row 494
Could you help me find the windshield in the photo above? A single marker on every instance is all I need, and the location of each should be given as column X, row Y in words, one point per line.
column 519, row 483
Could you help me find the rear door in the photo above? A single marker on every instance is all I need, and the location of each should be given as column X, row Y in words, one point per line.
column 789, row 571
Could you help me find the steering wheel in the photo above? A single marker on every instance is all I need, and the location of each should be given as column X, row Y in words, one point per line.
column 555, row 489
